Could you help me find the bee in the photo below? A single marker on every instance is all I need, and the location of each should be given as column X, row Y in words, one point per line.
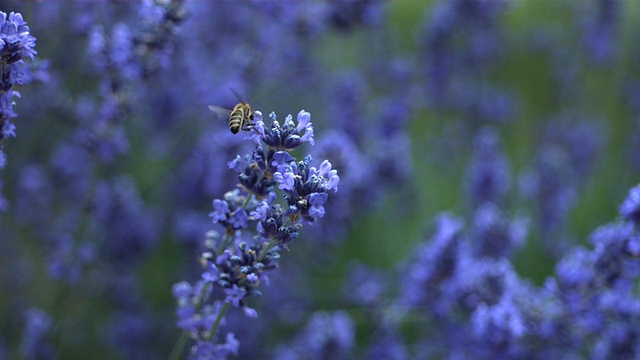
column 240, row 118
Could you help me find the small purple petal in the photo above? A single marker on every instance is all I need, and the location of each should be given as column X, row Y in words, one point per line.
column 249, row 312
column 260, row 213
column 234, row 295
column 304, row 118
column 211, row 275
column 221, row 209
column 317, row 199
column 286, row 181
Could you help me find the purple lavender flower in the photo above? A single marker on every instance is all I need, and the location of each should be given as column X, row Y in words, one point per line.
column 630, row 208
column 316, row 200
column 211, row 274
column 458, row 38
column 345, row 14
column 154, row 42
column 609, row 242
column 436, row 262
column 129, row 226
column 273, row 226
column 3, row 159
column 389, row 346
column 71, row 169
column 67, row 260
column 594, row 289
column 281, row 160
column 347, row 105
column 16, row 42
column 122, row 55
column 220, row 212
column 599, row 31
column 4, row 204
column 232, row 263
column 199, row 176
column 36, row 201
column 193, row 316
column 229, row 212
column 34, row 338
column 308, row 190
column 365, row 286
column 260, row 213
column 327, row 336
column 286, row 137
column 189, row 225
column 494, row 236
column 235, row 295
column 498, row 329
column 488, row 173
column 206, row 350
column 562, row 165
column 250, row 172
column 286, row 180
column 473, row 282
column 128, row 332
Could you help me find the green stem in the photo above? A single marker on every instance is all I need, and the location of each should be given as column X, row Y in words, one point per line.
column 246, row 201
column 219, row 318
column 28, row 15
column 179, row 346
column 264, row 252
column 224, row 244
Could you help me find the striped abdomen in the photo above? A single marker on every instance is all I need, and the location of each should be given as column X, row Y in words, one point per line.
column 240, row 118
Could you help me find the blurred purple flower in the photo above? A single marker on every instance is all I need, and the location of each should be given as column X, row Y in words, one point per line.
column 327, row 336
column 35, row 345
column 600, row 29
column 488, row 172
column 630, row 208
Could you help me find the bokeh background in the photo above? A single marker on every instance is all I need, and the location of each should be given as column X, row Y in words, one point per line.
column 521, row 112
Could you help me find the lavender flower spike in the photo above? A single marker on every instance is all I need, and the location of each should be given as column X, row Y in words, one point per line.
column 16, row 43
column 237, row 263
column 286, row 137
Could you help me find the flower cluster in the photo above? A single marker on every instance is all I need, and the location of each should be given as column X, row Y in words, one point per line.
column 327, row 336
column 596, row 290
column 238, row 265
column 198, row 318
column 16, row 44
column 561, row 166
column 460, row 40
column 154, row 42
column 122, row 56
column 488, row 173
column 589, row 307
column 600, row 29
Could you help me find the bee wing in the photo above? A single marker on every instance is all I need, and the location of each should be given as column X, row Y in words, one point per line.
column 220, row 110
column 240, row 98
column 222, row 113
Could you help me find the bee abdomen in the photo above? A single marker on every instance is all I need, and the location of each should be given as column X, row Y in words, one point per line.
column 235, row 120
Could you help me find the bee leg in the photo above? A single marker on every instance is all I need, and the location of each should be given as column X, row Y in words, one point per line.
column 247, row 127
